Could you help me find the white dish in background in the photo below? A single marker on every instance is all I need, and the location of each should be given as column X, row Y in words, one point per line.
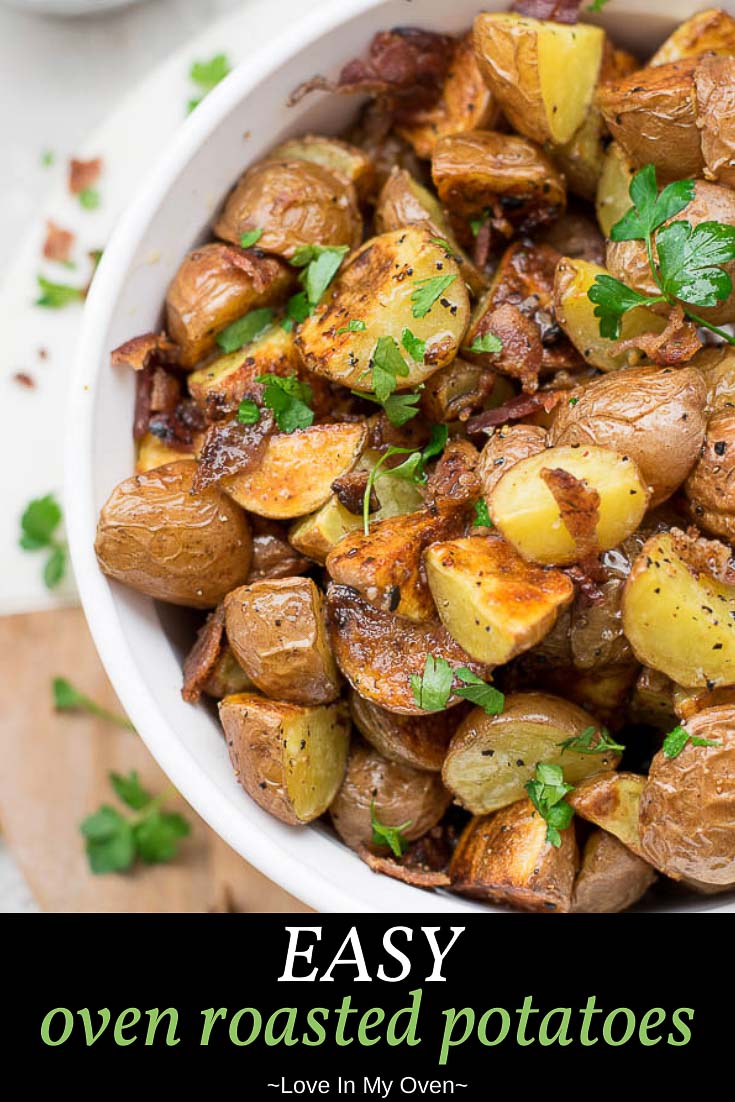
column 68, row 7
column 138, row 641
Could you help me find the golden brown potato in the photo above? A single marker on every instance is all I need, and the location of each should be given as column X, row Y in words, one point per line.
column 712, row 29
column 687, row 817
column 491, row 758
column 527, row 64
column 373, row 132
column 418, row 741
column 273, row 555
column 652, row 702
column 613, row 189
column 714, row 82
column 611, row 801
column 492, row 601
column 575, row 233
column 717, row 367
column 294, row 203
column 465, row 103
column 687, row 702
column 154, row 452
column 378, row 652
column 507, row 446
column 610, row 878
column 678, row 616
column 289, row 759
column 603, row 691
column 710, row 487
column 296, row 472
column 505, row 858
column 377, row 287
column 227, row 677
column 214, row 286
column 220, row 386
column 473, row 172
column 385, row 566
column 277, row 633
column 653, row 414
column 405, row 797
column 156, row 536
column 460, row 389
column 340, row 158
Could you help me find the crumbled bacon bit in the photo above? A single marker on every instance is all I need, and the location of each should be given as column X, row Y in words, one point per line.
column 83, row 174
column 231, row 448
column 58, row 244
column 515, row 410
column 165, row 391
column 587, row 576
column 522, row 352
column 579, row 505
column 703, row 556
column 559, row 11
column 676, row 344
column 350, row 490
column 145, row 351
column 204, row 655
column 483, row 242
column 454, row 480
column 22, row 378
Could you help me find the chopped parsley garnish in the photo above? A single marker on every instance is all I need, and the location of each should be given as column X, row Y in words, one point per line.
column 387, row 835
column 399, row 408
column 547, row 791
column 38, row 526
column 415, row 347
column 54, row 296
column 207, row 74
column 427, row 292
column 245, row 329
column 433, row 688
column 67, row 698
column 289, row 400
column 387, row 364
column 248, row 412
column 482, row 515
column 354, row 325
column 583, row 744
column 412, row 469
column 488, row 342
column 250, row 238
column 297, row 310
column 597, row 5
column 114, row 841
column 89, row 198
column 320, row 264
column 485, row 696
column 677, row 739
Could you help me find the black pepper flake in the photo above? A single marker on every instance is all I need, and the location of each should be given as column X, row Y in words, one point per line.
column 717, row 646
column 720, row 447
column 487, row 753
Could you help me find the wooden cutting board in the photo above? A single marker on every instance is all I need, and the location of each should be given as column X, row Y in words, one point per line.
column 54, row 770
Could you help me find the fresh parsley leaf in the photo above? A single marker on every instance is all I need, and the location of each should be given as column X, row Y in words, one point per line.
column 547, row 791
column 320, row 264
column 47, row 158
column 67, row 698
column 487, row 697
column 297, row 310
column 689, row 259
column 89, row 198
column 650, row 210
column 677, row 739
column 488, row 342
column 109, row 841
column 399, row 408
column 250, row 238
column 387, row 365
column 207, row 74
column 55, row 567
column 248, row 412
column 613, row 299
column 158, row 835
column 55, row 296
column 432, row 690
column 387, row 835
column 245, row 329
column 412, row 469
column 354, row 325
column 427, row 292
column 415, row 347
column 583, row 744
column 437, row 443
column 113, row 841
column 289, row 399
column 129, row 790
column 38, row 525
column 597, row 5
column 482, row 515
column 573, row 402
column 443, row 244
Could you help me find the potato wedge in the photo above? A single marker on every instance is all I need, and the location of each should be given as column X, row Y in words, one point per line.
column 711, row 29
column 611, row 801
column 491, row 758
column 526, row 63
column 717, row 367
column 652, row 702
column 610, row 878
column 505, row 858
column 492, row 601
column 687, row 702
column 710, row 487
column 418, row 741
column 221, row 385
column 277, row 633
column 612, row 199
column 154, row 535
column 504, row 448
column 460, row 389
column 210, row 666
column 678, row 618
column 576, row 315
column 603, row 691
column 338, row 157
column 714, row 82
column 289, row 759
column 379, row 652
column 528, row 514
column 377, row 286
column 154, row 452
column 227, row 677
column 297, row 470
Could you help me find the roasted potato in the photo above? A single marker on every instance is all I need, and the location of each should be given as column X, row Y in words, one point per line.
column 575, row 233
column 273, row 555
column 678, row 617
column 491, row 758
column 603, row 691
column 576, row 315
column 654, row 415
column 712, row 29
column 611, row 801
column 504, row 448
column 418, row 741
column 294, row 203
column 154, row 452
column 289, row 759
column 687, row 702
column 460, row 389
column 652, row 702
column 378, row 652
column 610, row 878
column 381, row 286
column 492, row 601
column 156, row 536
column 527, row 62
column 537, row 523
column 505, row 858
column 227, row 677
column 612, row 199
column 687, row 818
column 400, row 796
column 220, row 386
column 714, row 83
column 717, row 367
column 214, row 286
column 296, row 472
column 340, row 158
column 710, row 487
column 277, row 633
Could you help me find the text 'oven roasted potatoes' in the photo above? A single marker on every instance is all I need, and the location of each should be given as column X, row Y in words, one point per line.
column 610, row 878
column 278, row 634
column 492, row 601
column 564, row 503
column 289, row 759
column 418, row 741
column 611, row 801
column 491, row 758
column 396, row 281
column 505, row 858
column 528, row 64
column 156, row 536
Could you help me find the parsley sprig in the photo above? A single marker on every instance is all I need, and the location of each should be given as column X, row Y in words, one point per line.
column 67, row 698
column 413, row 469
column 114, row 841
column 207, row 75
column 685, row 260
column 427, row 292
column 55, row 296
column 482, row 515
column 547, row 791
column 433, row 688
column 677, row 739
column 387, row 835
column 247, row 240
column 246, row 329
column 38, row 527
column 399, row 408
column 320, row 265
column 488, row 342
column 289, row 400
column 582, row 743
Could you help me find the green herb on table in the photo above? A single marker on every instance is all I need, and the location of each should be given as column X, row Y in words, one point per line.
column 245, row 329
column 250, row 238
column 67, row 698
column 415, row 347
column 54, row 296
column 427, row 292
column 482, row 515
column 547, row 791
column 354, row 325
column 207, row 75
column 38, row 527
column 48, row 157
column 114, row 840
column 488, row 342
column 677, row 739
column 433, row 688
column 583, row 742
column 89, row 198
column 320, row 265
column 387, row 835
column 289, row 400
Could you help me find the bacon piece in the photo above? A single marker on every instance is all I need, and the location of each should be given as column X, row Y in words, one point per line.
column 83, row 174
column 204, row 655
column 273, row 555
column 22, row 378
column 559, row 11
column 676, row 344
column 514, row 410
column 586, row 576
column 454, row 480
column 350, row 490
column 231, row 448
column 579, row 505
column 144, row 351
column 703, row 556
column 58, row 244
column 521, row 356
column 483, row 242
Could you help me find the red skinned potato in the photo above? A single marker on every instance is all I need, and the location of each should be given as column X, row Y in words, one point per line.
column 418, row 741
column 611, row 878
column 710, row 487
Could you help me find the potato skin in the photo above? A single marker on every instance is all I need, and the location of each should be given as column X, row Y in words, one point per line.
column 715, row 90
column 710, row 487
column 418, row 741
column 687, row 811
column 400, row 794
column 654, row 415
column 340, row 158
column 277, row 633
column 155, row 536
column 506, row 447
column 294, row 203
column 611, row 878
column 611, row 801
column 707, row 30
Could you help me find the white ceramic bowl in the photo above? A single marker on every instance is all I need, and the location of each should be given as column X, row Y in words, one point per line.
column 141, row 643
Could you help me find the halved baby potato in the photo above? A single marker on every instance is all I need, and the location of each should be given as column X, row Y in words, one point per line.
column 296, row 472
column 527, row 64
column 381, row 286
column 221, row 385
column 289, row 759
column 341, row 157
column 277, row 632
column 530, row 517
column 610, row 878
column 491, row 758
column 418, row 741
column 154, row 452
column 613, row 189
column 492, row 601
column 611, row 801
column 505, row 858
column 711, row 29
